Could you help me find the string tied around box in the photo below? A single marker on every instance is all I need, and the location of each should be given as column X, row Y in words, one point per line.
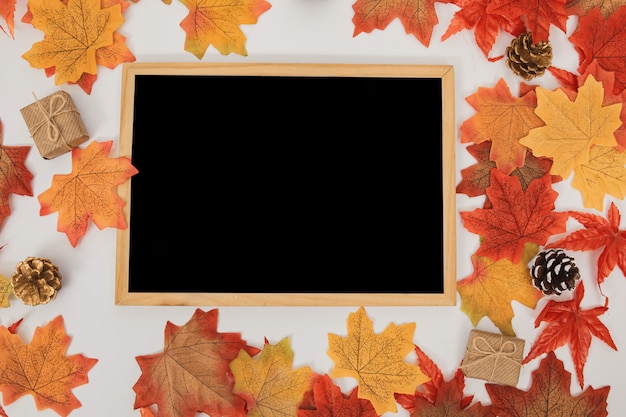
column 56, row 106
column 503, row 352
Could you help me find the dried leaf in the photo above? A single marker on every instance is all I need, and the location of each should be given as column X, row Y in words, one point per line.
column 517, row 217
column 548, row 396
column 573, row 127
column 42, row 368
column 88, row 192
column 376, row 361
column 73, row 34
column 216, row 22
column 191, row 375
column 270, row 383
column 494, row 285
column 6, row 289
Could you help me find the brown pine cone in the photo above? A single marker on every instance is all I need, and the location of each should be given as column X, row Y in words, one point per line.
column 36, row 281
column 554, row 271
column 527, row 60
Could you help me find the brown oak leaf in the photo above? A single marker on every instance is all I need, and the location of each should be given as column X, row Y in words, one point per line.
column 191, row 375
column 548, row 396
column 42, row 368
column 517, row 217
column 88, row 192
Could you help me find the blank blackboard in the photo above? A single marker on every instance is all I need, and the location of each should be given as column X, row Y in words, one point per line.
column 287, row 184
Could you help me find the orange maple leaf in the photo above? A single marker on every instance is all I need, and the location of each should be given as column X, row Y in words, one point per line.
column 599, row 233
column 581, row 7
column 270, row 383
column 14, row 176
column 550, row 390
column 202, row 27
column 88, row 192
column 191, row 375
column 418, row 17
column 603, row 175
column 376, row 361
column 494, row 285
column 568, row 324
column 42, row 369
column 503, row 120
column 573, row 127
column 516, row 216
column 539, row 15
column 73, row 34
column 7, row 12
column 328, row 401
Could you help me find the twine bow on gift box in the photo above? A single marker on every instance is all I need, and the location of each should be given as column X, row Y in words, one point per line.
column 501, row 364
column 53, row 110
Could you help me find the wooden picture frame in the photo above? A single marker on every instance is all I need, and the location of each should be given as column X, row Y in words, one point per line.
column 190, row 128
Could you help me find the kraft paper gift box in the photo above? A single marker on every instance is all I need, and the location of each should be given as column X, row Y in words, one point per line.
column 493, row 357
column 54, row 124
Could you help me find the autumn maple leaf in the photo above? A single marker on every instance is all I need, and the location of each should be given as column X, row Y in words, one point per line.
column 599, row 233
column 516, row 217
column 601, row 39
column 570, row 325
column 42, row 369
column 548, row 396
column 418, row 17
column 7, row 12
column 191, row 375
column 538, row 15
column 581, row 7
column 494, row 285
column 503, row 120
column 216, row 22
column 473, row 15
column 14, row 176
column 73, row 34
column 376, row 361
column 329, row 401
column 269, row 382
column 88, row 192
column 572, row 127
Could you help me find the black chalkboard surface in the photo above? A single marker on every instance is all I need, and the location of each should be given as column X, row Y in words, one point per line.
column 285, row 184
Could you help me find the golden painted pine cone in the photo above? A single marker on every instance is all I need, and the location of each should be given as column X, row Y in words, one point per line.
column 528, row 60
column 36, row 281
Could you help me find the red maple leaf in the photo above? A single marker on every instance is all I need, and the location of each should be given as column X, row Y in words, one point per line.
column 570, row 325
column 517, row 217
column 473, row 14
column 538, row 15
column 427, row 390
column 418, row 17
column 549, row 395
column 598, row 233
column 328, row 401
column 603, row 40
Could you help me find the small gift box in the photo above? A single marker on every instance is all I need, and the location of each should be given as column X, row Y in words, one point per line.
column 493, row 357
column 54, row 124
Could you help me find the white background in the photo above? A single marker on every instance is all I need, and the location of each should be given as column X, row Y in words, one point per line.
column 290, row 31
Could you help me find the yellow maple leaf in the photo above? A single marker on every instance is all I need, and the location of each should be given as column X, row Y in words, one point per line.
column 376, row 361
column 604, row 174
column 217, row 22
column 73, row 34
column 5, row 291
column 88, row 192
column 269, row 383
column 492, row 286
column 572, row 127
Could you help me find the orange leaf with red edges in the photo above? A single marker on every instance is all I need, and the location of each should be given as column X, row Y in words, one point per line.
column 191, row 375
column 7, row 12
column 568, row 324
column 88, row 192
column 539, row 15
column 603, row 40
column 503, row 120
column 599, row 233
column 581, row 7
column 15, row 178
column 42, row 368
column 418, row 17
column 329, row 401
column 550, row 391
column 517, row 217
column 473, row 15
column 216, row 22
